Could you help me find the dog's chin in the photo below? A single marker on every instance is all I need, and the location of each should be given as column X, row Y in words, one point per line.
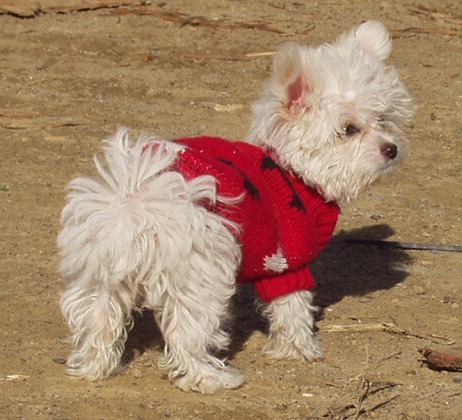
column 386, row 170
column 347, row 189
column 381, row 175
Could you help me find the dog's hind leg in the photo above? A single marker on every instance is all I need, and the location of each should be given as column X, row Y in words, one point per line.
column 196, row 304
column 106, row 245
column 98, row 318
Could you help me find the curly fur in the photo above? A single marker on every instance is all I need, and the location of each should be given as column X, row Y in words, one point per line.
column 138, row 238
column 139, row 235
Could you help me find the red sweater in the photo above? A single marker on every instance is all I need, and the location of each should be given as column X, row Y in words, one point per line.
column 283, row 223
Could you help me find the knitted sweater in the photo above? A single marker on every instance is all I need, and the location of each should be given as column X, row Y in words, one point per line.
column 283, row 223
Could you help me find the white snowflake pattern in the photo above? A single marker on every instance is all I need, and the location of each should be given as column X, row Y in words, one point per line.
column 276, row 262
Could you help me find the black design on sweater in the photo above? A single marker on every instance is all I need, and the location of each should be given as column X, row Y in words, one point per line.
column 269, row 163
column 248, row 184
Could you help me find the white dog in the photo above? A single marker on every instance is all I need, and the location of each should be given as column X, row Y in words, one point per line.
column 173, row 225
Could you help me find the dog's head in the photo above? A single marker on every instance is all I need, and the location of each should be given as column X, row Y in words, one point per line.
column 334, row 114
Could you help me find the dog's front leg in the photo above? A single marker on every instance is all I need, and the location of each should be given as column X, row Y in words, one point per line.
column 291, row 335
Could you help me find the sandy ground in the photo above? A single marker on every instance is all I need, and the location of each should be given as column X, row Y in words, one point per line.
column 182, row 68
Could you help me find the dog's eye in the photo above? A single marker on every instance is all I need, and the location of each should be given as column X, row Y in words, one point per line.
column 383, row 120
column 351, row 130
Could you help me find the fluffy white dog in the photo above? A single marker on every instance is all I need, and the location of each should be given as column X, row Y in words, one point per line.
column 173, row 226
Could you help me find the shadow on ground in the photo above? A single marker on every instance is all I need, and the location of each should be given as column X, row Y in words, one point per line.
column 343, row 269
column 347, row 269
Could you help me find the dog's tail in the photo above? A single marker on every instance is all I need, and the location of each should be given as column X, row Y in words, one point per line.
column 123, row 209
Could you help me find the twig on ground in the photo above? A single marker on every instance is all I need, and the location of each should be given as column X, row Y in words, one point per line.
column 364, row 403
column 385, row 327
column 261, row 54
column 185, row 20
column 379, row 404
column 424, row 31
column 150, row 56
column 216, row 57
column 365, row 387
column 384, row 359
column 14, row 378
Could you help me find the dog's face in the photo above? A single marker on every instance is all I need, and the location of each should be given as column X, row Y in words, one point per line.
column 334, row 114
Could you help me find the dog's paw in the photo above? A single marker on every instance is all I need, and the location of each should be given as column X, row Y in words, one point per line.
column 229, row 378
column 308, row 348
column 212, row 381
column 92, row 365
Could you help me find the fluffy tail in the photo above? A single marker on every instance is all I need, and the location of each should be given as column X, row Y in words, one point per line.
column 105, row 217
column 111, row 226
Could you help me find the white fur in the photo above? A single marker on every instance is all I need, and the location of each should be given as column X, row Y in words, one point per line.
column 137, row 238
column 344, row 82
column 291, row 333
column 139, row 235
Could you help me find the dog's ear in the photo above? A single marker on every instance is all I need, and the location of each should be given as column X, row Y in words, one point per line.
column 290, row 78
column 373, row 37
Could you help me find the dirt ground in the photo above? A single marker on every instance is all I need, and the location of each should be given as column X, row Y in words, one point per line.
column 180, row 68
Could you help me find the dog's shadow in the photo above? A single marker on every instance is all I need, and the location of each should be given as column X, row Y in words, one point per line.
column 342, row 269
column 350, row 269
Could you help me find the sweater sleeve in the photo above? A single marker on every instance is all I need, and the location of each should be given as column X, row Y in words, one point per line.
column 326, row 221
column 270, row 288
column 325, row 218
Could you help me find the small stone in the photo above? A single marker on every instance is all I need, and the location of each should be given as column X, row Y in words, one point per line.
column 419, row 290
column 146, row 363
column 448, row 299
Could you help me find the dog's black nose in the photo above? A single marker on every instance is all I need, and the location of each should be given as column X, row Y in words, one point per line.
column 389, row 150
